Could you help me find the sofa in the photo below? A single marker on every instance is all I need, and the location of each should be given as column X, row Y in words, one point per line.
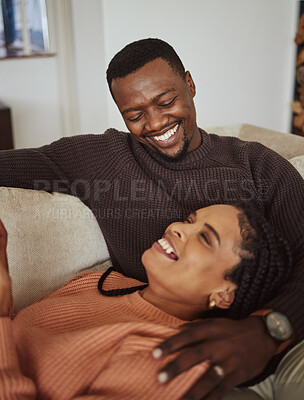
column 53, row 237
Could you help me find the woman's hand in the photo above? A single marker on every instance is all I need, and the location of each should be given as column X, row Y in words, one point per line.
column 237, row 350
column 6, row 297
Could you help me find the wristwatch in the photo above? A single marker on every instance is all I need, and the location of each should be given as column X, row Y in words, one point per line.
column 278, row 326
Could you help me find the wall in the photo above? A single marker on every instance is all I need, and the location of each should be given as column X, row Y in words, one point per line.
column 29, row 87
column 240, row 53
column 89, row 43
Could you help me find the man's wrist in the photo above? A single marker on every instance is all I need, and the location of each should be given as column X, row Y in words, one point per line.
column 271, row 345
column 280, row 344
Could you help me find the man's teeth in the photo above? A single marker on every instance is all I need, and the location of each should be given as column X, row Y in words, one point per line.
column 165, row 245
column 166, row 135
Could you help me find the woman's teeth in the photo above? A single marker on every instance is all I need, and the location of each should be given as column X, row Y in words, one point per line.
column 166, row 135
column 166, row 246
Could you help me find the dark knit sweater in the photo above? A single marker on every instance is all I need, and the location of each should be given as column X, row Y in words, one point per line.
column 135, row 194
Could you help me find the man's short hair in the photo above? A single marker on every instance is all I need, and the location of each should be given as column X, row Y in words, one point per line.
column 137, row 54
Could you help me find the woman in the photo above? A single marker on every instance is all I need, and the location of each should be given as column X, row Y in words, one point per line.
column 79, row 343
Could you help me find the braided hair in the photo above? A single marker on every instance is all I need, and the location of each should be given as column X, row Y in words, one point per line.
column 265, row 265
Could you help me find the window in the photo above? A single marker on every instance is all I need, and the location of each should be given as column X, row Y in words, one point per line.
column 23, row 28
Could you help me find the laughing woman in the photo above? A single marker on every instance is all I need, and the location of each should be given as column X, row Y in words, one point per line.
column 94, row 337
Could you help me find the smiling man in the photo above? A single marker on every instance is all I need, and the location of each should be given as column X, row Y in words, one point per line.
column 163, row 168
column 157, row 106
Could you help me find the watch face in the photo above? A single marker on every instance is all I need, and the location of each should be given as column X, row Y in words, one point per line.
column 278, row 326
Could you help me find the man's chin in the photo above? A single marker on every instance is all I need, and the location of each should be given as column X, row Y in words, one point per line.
column 178, row 156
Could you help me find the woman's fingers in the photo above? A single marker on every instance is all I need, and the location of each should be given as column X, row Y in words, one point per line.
column 5, row 280
column 3, row 245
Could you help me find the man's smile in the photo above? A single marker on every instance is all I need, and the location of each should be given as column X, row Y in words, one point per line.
column 167, row 139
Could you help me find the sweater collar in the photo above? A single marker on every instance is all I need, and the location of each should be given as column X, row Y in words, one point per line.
column 151, row 313
column 190, row 160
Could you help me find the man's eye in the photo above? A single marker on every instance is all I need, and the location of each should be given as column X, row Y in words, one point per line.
column 169, row 103
column 136, row 118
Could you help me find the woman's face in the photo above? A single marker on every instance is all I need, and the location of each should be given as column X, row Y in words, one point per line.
column 188, row 265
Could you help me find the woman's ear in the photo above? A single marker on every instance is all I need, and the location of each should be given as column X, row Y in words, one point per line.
column 223, row 299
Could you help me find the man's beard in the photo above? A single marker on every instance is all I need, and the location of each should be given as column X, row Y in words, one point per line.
column 180, row 154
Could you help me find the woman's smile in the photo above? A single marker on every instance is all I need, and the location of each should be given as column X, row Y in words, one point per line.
column 164, row 247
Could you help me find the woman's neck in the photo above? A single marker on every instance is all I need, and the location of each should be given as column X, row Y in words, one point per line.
column 179, row 310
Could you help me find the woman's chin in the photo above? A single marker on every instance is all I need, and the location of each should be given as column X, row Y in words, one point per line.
column 151, row 259
column 145, row 257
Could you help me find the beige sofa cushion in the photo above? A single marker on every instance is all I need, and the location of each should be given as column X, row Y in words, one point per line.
column 51, row 238
column 298, row 163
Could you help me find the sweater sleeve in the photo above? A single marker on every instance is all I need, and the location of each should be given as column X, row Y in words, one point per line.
column 13, row 385
column 55, row 167
column 284, row 209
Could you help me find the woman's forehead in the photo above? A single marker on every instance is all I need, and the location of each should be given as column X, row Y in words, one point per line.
column 216, row 210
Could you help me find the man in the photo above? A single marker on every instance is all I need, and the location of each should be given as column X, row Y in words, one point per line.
column 137, row 183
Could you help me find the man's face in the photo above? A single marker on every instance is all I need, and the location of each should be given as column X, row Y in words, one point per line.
column 157, row 106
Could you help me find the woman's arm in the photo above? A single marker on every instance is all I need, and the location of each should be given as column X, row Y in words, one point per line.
column 13, row 385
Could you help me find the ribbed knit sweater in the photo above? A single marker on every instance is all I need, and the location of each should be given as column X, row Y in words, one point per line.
column 135, row 194
column 78, row 344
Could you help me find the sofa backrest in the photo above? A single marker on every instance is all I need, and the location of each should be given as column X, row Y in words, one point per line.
column 286, row 144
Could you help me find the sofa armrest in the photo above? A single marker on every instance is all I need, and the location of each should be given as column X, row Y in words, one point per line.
column 51, row 238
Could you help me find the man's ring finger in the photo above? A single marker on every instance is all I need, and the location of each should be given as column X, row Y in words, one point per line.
column 219, row 371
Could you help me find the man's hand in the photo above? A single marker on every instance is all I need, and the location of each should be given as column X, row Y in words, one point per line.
column 5, row 280
column 237, row 350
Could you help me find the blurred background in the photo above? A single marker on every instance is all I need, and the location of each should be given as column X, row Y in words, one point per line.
column 241, row 54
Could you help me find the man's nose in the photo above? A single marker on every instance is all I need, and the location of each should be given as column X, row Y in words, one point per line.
column 156, row 120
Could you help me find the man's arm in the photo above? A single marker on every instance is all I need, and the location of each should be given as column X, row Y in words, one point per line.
column 242, row 349
column 24, row 168
column 65, row 166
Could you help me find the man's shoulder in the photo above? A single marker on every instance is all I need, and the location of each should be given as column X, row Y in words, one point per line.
column 235, row 152
column 91, row 143
column 235, row 144
column 111, row 135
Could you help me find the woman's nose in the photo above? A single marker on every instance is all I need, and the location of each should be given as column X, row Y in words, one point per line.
column 178, row 229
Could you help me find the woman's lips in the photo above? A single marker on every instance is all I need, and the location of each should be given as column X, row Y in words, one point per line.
column 158, row 247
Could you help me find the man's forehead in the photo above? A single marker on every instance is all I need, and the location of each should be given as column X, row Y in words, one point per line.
column 145, row 84
column 157, row 70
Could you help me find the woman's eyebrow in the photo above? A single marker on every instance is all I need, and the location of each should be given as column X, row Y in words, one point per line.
column 214, row 232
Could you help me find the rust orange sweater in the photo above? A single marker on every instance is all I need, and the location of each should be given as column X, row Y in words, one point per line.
column 78, row 344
